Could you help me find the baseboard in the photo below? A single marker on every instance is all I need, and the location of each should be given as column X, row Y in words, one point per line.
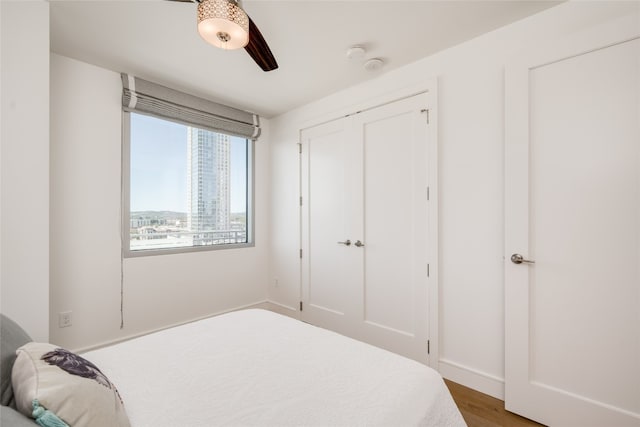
column 283, row 309
column 259, row 304
column 472, row 378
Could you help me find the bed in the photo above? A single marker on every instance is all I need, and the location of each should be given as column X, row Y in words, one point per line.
column 258, row 368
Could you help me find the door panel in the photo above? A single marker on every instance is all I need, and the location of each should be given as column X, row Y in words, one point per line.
column 573, row 317
column 326, row 180
column 584, row 213
column 394, row 153
column 388, row 223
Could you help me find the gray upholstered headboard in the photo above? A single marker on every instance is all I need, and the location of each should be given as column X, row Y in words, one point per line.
column 12, row 336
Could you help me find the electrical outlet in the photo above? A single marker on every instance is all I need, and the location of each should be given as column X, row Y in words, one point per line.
column 64, row 319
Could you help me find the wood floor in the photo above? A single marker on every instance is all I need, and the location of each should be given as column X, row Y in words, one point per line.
column 481, row 410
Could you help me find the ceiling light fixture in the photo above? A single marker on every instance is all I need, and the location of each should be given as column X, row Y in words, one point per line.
column 223, row 23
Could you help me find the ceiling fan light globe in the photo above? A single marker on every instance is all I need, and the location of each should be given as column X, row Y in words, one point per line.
column 223, row 24
column 209, row 30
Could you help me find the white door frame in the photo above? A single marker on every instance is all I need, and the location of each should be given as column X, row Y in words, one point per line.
column 517, row 133
column 429, row 86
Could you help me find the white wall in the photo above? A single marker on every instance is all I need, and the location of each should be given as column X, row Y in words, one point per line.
column 85, row 227
column 471, row 166
column 24, row 209
column 159, row 291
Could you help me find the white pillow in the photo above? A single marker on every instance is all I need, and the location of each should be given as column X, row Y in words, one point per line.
column 67, row 385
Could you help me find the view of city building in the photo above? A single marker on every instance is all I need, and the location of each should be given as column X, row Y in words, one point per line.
column 207, row 180
column 207, row 185
column 208, row 219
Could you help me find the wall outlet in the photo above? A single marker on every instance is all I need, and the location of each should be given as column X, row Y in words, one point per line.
column 64, row 319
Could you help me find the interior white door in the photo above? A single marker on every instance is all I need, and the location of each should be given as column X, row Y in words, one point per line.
column 365, row 226
column 573, row 206
column 393, row 226
column 329, row 285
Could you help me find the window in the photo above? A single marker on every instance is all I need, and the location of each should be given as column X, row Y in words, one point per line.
column 187, row 171
column 186, row 188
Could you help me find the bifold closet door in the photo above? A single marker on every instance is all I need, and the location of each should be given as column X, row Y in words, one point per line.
column 365, row 226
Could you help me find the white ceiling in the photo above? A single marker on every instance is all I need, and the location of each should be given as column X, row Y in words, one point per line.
column 157, row 40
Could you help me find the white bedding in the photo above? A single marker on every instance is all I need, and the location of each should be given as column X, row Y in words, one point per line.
column 255, row 367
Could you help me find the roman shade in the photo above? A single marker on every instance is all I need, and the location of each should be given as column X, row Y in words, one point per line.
column 142, row 96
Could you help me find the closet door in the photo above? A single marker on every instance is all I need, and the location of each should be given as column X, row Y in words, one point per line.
column 365, row 226
column 329, row 279
column 393, row 309
column 572, row 276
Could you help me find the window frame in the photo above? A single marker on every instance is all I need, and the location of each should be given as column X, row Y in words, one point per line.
column 125, row 216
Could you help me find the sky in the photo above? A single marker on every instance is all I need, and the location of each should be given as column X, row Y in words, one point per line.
column 159, row 166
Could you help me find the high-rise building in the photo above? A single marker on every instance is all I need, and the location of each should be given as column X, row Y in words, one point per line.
column 208, row 178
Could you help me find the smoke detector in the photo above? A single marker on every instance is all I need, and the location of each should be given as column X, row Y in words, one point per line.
column 356, row 52
column 373, row 64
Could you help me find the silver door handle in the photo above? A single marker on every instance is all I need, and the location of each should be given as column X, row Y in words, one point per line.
column 359, row 244
column 518, row 259
column 346, row 242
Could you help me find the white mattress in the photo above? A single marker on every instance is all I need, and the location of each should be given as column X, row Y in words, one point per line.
column 255, row 367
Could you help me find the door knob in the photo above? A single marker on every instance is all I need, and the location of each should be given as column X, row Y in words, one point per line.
column 346, row 242
column 359, row 244
column 518, row 259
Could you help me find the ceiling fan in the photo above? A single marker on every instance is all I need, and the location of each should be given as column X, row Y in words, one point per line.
column 224, row 24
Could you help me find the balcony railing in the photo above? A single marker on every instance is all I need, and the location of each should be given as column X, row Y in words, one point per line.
column 181, row 239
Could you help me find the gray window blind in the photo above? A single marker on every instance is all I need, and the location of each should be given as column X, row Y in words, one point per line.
column 145, row 97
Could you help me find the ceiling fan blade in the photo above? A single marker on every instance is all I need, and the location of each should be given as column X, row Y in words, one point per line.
column 259, row 50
